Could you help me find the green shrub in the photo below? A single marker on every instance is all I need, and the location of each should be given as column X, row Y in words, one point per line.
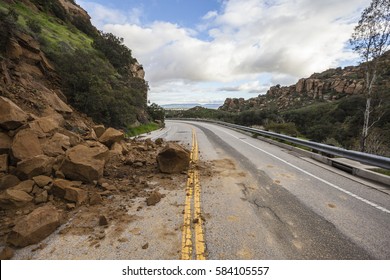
column 34, row 26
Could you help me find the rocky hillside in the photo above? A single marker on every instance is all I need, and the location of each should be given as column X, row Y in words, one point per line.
column 330, row 85
column 51, row 48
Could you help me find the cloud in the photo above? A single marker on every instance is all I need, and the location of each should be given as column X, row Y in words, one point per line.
column 243, row 41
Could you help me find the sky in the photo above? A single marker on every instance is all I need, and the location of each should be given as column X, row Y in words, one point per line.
column 204, row 51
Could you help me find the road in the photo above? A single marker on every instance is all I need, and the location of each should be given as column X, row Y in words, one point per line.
column 259, row 201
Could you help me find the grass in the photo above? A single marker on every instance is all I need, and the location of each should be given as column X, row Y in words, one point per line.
column 382, row 171
column 55, row 32
column 145, row 128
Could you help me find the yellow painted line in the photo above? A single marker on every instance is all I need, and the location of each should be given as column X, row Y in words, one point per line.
column 193, row 192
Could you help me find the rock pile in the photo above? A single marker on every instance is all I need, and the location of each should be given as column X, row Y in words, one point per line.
column 47, row 170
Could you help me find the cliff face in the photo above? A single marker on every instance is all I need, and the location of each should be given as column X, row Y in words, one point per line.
column 330, row 85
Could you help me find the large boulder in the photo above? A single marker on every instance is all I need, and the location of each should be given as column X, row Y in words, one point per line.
column 56, row 145
column 38, row 165
column 11, row 116
column 111, row 136
column 68, row 190
column 173, row 159
column 35, row 227
column 84, row 163
column 47, row 124
column 5, row 143
column 26, row 145
column 11, row 199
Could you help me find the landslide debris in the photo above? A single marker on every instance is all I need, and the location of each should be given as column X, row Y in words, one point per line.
column 78, row 183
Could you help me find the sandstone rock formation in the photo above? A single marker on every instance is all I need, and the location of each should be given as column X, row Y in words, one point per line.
column 330, row 85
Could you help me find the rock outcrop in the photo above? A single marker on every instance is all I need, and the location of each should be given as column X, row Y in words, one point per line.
column 330, row 85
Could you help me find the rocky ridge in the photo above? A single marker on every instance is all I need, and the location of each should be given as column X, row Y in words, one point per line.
column 330, row 85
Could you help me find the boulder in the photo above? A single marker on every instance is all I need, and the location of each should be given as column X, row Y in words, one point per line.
column 8, row 181
column 68, row 190
column 84, row 163
column 42, row 180
column 11, row 199
column 4, row 163
column 111, row 136
column 99, row 130
column 38, row 165
column 35, row 227
column 47, row 124
column 57, row 145
column 11, row 116
column 25, row 186
column 5, row 143
column 173, row 159
column 26, row 145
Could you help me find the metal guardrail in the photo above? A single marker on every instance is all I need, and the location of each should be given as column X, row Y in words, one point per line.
column 370, row 159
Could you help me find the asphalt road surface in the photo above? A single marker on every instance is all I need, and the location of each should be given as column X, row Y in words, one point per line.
column 260, row 201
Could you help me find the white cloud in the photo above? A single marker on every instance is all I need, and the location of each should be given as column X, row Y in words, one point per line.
column 247, row 38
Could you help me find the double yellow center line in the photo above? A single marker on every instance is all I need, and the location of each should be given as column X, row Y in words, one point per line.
column 192, row 211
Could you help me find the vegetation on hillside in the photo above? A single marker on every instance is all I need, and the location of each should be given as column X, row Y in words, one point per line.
column 94, row 66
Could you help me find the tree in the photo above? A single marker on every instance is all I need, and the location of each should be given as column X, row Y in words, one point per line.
column 371, row 39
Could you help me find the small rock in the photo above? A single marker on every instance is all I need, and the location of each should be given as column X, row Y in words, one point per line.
column 59, row 175
column 41, row 198
column 70, row 206
column 7, row 253
column 138, row 164
column 103, row 220
column 154, row 198
column 95, row 199
column 159, row 141
column 42, row 180
column 146, row 246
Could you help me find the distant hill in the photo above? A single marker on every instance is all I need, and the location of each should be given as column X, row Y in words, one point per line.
column 186, row 106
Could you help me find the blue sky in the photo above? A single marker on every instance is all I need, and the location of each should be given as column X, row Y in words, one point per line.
column 203, row 51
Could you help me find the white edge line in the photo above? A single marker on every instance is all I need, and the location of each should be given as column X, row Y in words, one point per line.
column 314, row 176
